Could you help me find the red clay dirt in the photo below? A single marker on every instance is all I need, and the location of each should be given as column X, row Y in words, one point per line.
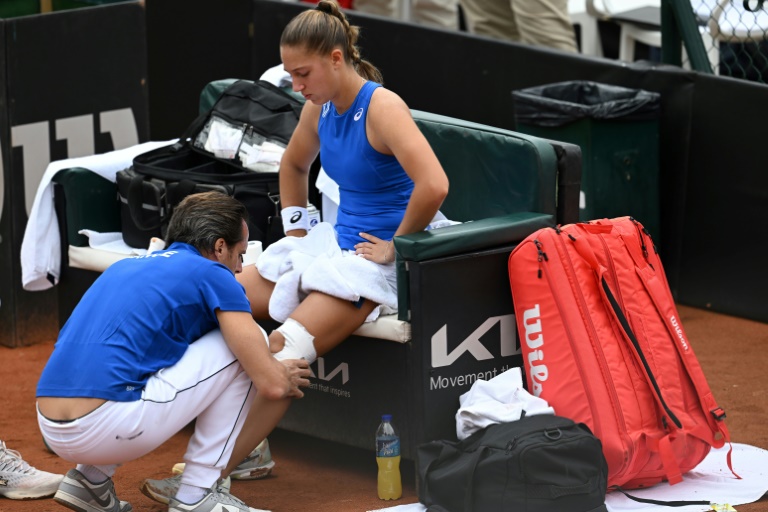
column 317, row 476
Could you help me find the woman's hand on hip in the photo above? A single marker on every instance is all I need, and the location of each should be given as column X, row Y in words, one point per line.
column 375, row 249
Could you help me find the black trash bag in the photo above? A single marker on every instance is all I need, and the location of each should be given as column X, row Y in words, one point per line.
column 565, row 102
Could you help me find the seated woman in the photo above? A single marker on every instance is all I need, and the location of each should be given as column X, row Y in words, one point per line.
column 390, row 184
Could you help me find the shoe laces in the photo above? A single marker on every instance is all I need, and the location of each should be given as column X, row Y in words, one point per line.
column 10, row 460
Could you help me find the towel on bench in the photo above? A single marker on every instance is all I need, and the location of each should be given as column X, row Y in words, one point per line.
column 41, row 245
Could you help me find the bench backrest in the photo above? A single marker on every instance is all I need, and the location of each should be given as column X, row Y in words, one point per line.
column 492, row 172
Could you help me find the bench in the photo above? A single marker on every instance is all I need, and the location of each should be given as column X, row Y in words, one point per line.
column 455, row 322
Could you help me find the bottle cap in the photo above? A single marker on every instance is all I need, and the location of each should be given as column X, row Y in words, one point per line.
column 386, row 417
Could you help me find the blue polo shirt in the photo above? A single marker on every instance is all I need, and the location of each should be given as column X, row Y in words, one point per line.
column 138, row 317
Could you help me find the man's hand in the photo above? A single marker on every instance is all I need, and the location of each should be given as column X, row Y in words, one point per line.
column 298, row 372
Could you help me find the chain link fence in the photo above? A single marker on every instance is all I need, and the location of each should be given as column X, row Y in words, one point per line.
column 735, row 36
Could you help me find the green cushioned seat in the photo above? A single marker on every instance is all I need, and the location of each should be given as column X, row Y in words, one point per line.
column 91, row 203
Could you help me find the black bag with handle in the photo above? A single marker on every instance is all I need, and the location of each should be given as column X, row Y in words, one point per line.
column 234, row 148
column 541, row 463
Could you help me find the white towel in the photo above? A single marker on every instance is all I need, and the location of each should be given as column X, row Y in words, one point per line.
column 112, row 242
column 315, row 263
column 710, row 480
column 41, row 246
column 501, row 399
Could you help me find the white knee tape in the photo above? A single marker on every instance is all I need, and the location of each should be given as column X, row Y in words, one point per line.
column 298, row 342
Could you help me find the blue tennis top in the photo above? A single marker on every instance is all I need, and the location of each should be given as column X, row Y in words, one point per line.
column 374, row 189
column 138, row 317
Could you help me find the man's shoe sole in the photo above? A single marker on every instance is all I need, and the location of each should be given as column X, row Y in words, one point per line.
column 74, row 503
column 30, row 494
column 253, row 474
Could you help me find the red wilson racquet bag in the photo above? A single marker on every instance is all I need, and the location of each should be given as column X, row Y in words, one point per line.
column 603, row 344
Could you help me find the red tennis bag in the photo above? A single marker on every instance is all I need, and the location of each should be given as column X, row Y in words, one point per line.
column 603, row 344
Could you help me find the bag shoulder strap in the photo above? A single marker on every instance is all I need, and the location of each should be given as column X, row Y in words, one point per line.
column 671, row 468
column 675, row 503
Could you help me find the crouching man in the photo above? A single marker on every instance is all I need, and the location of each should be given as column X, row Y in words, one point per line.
column 159, row 341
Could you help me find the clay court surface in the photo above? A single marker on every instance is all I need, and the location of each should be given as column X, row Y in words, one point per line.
column 312, row 475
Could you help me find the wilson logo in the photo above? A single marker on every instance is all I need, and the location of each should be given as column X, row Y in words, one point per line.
column 534, row 340
column 472, row 344
column 679, row 332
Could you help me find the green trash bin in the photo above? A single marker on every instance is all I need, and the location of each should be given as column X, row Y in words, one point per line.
column 618, row 132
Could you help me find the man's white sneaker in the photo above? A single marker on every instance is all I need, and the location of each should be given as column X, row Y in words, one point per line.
column 258, row 464
column 164, row 490
column 20, row 481
column 214, row 501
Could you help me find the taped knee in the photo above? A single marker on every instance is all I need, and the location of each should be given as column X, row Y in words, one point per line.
column 299, row 343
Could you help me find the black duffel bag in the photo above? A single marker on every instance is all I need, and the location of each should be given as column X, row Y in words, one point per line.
column 252, row 118
column 541, row 463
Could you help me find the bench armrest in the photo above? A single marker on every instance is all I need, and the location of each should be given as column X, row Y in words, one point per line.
column 459, row 239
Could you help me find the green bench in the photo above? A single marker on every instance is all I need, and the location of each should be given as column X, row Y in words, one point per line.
column 455, row 322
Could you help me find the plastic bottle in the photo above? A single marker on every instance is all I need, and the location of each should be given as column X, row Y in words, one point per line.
column 388, row 460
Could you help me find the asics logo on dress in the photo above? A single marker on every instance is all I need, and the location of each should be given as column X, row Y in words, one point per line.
column 359, row 114
column 296, row 217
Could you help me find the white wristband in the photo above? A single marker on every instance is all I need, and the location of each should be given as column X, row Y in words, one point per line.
column 294, row 217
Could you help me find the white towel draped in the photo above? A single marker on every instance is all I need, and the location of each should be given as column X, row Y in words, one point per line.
column 315, row 263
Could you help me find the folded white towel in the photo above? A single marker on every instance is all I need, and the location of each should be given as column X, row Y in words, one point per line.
column 315, row 263
column 501, row 399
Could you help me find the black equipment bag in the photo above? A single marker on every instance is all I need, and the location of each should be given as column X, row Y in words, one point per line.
column 221, row 150
column 541, row 463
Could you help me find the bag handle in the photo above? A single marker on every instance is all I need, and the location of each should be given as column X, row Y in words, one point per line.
column 135, row 198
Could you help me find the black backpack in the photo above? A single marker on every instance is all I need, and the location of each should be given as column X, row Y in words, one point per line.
column 541, row 463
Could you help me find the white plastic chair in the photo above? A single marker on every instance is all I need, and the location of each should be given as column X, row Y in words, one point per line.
column 589, row 43
column 629, row 34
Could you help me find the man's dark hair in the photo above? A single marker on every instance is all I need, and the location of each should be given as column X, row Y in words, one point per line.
column 201, row 219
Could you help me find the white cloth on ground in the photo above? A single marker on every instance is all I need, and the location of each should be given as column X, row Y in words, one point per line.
column 316, row 263
column 501, row 399
column 710, row 480
column 41, row 245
